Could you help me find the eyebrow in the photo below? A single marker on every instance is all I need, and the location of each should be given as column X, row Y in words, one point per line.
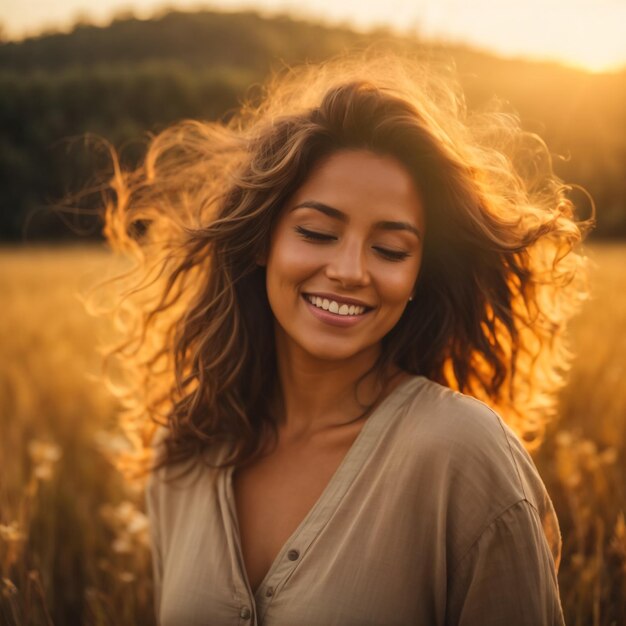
column 342, row 217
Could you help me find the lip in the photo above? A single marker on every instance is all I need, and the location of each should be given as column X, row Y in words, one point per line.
column 342, row 321
column 339, row 299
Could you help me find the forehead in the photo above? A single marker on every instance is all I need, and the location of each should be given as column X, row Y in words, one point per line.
column 360, row 181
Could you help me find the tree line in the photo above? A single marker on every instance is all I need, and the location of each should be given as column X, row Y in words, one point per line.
column 135, row 77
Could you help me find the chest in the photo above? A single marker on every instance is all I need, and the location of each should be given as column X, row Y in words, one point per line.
column 274, row 495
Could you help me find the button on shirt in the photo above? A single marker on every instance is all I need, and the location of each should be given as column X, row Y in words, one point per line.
column 436, row 516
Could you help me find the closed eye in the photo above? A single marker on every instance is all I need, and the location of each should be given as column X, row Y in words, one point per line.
column 392, row 255
column 312, row 235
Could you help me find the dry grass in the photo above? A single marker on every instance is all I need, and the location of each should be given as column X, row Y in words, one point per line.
column 73, row 538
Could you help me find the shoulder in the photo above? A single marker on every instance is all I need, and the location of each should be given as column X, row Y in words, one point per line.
column 467, row 467
column 478, row 464
column 463, row 429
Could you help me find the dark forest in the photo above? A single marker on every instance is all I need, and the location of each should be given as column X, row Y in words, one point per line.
column 58, row 92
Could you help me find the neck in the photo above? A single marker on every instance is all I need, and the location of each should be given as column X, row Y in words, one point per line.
column 316, row 395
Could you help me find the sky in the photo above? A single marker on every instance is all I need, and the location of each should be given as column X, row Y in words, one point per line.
column 584, row 33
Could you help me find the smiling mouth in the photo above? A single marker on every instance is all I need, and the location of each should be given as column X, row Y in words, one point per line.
column 338, row 308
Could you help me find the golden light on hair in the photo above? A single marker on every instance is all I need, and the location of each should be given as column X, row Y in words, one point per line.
column 500, row 279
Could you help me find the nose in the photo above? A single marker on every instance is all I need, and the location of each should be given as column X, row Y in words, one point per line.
column 347, row 265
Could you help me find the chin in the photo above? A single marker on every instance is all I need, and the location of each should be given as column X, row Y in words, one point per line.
column 331, row 351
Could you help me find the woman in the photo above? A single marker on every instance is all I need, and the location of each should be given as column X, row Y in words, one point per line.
column 334, row 286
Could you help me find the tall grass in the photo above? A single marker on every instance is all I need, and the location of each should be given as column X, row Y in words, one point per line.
column 73, row 535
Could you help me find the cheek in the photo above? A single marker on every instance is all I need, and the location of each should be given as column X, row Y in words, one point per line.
column 396, row 286
column 289, row 262
column 287, row 256
column 394, row 294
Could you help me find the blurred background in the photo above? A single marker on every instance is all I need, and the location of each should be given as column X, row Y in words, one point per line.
column 73, row 534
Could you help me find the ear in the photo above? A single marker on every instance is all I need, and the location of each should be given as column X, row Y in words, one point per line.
column 261, row 259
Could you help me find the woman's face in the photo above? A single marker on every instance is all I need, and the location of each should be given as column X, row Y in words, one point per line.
column 344, row 256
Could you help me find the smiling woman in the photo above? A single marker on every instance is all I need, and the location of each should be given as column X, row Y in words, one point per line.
column 326, row 288
column 366, row 254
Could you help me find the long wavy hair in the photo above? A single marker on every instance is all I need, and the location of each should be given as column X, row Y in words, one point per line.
column 501, row 273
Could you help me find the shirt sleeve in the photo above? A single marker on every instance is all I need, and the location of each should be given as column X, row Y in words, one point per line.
column 155, row 543
column 508, row 577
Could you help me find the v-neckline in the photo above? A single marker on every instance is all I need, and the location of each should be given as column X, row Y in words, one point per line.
column 321, row 511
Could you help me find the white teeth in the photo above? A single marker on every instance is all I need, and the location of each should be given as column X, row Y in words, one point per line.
column 335, row 307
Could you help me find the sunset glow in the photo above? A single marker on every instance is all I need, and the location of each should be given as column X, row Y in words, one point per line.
column 584, row 33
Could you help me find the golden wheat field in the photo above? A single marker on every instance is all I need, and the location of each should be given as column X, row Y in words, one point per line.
column 73, row 535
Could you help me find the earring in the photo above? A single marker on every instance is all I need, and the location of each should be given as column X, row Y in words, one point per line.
column 410, row 298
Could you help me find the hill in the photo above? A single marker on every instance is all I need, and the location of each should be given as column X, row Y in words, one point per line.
column 135, row 76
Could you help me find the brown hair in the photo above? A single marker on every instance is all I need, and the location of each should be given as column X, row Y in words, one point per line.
column 499, row 280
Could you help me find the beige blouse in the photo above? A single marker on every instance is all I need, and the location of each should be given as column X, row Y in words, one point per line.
column 436, row 516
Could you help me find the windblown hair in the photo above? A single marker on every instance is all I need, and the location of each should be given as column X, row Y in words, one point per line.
column 500, row 275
